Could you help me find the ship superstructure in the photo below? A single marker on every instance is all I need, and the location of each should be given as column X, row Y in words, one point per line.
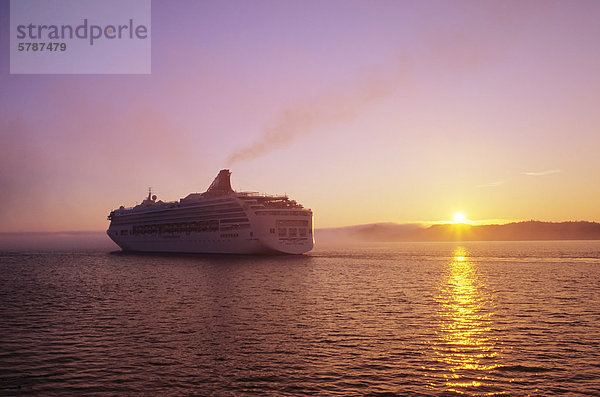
column 219, row 220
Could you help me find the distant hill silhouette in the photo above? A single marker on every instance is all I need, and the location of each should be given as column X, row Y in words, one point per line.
column 518, row 231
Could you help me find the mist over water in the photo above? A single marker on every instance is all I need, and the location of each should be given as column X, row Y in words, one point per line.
column 52, row 241
column 434, row 319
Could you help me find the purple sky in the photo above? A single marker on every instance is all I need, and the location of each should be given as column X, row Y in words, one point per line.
column 365, row 111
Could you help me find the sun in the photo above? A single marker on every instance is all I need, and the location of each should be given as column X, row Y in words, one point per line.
column 459, row 217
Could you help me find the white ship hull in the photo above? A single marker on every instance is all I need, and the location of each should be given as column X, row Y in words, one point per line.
column 219, row 221
column 210, row 244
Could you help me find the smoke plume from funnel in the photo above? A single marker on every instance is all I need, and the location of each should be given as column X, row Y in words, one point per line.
column 302, row 119
column 446, row 51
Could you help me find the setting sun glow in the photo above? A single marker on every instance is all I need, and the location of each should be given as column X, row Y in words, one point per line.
column 459, row 217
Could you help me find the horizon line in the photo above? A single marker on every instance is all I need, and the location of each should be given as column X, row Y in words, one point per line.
column 419, row 223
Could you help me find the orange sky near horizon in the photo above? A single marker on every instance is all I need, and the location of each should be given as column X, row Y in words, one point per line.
column 365, row 112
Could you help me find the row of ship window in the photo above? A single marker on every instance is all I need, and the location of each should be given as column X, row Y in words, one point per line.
column 213, row 226
column 293, row 213
column 163, row 215
column 188, row 227
column 291, row 231
column 291, row 222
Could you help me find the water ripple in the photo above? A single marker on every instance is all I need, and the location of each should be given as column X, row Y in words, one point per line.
column 384, row 320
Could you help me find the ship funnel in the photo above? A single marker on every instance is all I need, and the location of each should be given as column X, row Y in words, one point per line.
column 221, row 184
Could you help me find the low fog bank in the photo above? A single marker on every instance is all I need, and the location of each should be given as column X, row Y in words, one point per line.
column 516, row 231
column 56, row 241
column 376, row 232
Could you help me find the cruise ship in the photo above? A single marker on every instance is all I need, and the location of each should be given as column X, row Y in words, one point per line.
column 219, row 220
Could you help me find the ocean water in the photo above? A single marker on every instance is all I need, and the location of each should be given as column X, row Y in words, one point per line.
column 431, row 319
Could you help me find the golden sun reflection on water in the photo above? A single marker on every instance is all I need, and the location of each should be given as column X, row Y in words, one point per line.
column 465, row 347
